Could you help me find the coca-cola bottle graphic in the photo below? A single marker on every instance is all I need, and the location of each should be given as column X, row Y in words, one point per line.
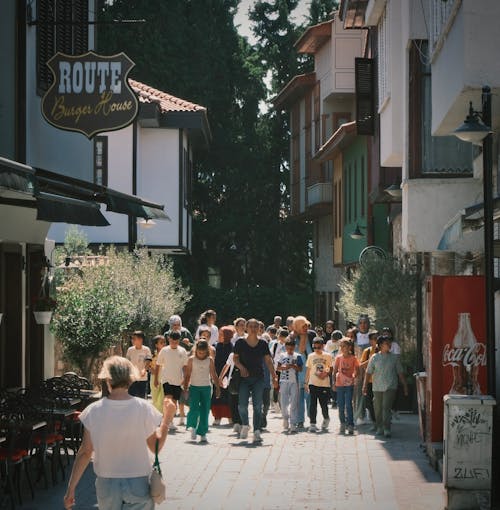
column 465, row 359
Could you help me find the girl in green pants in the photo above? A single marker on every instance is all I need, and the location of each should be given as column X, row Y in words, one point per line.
column 200, row 369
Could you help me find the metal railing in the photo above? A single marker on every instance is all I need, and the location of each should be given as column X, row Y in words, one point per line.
column 319, row 193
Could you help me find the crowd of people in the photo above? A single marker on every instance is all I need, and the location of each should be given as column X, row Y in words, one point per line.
column 289, row 368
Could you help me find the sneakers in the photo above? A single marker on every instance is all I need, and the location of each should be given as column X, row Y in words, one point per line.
column 324, row 425
column 216, row 422
column 237, row 428
column 387, row 433
column 203, row 439
column 350, row 430
column 293, row 429
column 313, row 428
column 285, row 424
column 256, row 436
column 342, row 428
column 244, row 431
column 172, row 427
column 182, row 420
column 379, row 432
column 193, row 434
column 360, row 421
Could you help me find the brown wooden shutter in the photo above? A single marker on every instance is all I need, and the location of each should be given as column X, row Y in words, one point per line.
column 365, row 95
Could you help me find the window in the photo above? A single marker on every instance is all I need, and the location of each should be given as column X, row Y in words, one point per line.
column 430, row 155
column 69, row 35
column 365, row 95
column 384, row 78
column 101, row 160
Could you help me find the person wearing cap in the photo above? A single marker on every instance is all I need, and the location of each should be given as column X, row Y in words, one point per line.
column 317, row 383
column 175, row 324
column 385, row 368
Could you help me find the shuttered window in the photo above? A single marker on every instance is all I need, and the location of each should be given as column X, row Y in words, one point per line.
column 61, row 26
column 365, row 95
column 383, row 40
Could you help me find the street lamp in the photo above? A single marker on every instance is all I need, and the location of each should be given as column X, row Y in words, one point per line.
column 476, row 128
column 356, row 233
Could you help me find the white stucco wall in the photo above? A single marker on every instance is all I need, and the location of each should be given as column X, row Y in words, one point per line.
column 429, row 204
column 467, row 60
column 120, row 179
column 392, row 110
column 158, row 181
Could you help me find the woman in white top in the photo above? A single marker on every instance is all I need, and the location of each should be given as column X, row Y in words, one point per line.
column 121, row 431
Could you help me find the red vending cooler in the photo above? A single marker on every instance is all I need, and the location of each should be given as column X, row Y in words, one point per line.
column 456, row 330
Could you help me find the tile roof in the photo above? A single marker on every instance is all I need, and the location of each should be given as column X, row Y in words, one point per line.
column 294, row 90
column 167, row 102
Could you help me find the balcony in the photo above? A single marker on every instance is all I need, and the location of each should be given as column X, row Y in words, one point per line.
column 319, row 200
column 463, row 53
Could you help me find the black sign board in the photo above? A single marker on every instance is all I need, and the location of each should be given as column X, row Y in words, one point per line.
column 90, row 93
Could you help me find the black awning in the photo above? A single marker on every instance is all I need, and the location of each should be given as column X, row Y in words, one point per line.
column 58, row 209
column 16, row 177
column 121, row 203
column 116, row 201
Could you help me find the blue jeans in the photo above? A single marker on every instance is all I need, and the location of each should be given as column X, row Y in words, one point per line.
column 304, row 400
column 255, row 386
column 344, row 404
column 123, row 493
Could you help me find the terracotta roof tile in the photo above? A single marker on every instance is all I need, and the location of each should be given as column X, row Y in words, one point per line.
column 167, row 102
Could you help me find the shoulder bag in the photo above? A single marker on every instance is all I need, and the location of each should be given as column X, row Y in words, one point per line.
column 157, row 488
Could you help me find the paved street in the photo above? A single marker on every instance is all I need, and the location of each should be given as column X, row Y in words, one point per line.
column 302, row 471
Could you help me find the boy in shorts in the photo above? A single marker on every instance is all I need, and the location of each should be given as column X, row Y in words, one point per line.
column 172, row 361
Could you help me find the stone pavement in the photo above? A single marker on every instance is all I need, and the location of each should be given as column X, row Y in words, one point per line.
column 299, row 471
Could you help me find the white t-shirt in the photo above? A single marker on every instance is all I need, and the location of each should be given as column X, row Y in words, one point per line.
column 395, row 348
column 332, row 346
column 362, row 340
column 214, row 334
column 290, row 375
column 171, row 362
column 119, row 429
column 137, row 357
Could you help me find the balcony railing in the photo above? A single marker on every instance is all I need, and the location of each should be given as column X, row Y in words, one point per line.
column 319, row 193
column 442, row 15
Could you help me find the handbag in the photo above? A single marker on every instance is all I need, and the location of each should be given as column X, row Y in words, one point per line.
column 157, row 487
column 234, row 382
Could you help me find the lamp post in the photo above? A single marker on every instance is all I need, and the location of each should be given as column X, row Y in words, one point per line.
column 476, row 128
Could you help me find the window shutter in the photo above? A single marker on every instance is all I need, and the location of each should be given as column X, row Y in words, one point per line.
column 365, row 95
column 63, row 27
column 81, row 31
column 45, row 35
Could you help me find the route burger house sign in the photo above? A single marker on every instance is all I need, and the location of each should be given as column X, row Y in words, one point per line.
column 90, row 93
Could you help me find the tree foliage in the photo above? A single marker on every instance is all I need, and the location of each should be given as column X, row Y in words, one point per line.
column 384, row 290
column 99, row 304
column 191, row 49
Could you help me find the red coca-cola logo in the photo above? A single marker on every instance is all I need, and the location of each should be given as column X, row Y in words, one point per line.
column 474, row 356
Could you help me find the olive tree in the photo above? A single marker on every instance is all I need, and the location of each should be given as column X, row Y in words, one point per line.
column 98, row 306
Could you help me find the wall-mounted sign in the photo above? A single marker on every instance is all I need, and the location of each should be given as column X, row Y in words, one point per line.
column 90, row 93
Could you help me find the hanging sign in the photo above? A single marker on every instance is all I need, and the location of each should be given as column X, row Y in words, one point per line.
column 90, row 93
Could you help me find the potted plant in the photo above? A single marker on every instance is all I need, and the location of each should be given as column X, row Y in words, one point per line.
column 43, row 307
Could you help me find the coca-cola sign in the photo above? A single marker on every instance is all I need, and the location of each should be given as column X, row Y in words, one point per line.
column 474, row 356
column 90, row 93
